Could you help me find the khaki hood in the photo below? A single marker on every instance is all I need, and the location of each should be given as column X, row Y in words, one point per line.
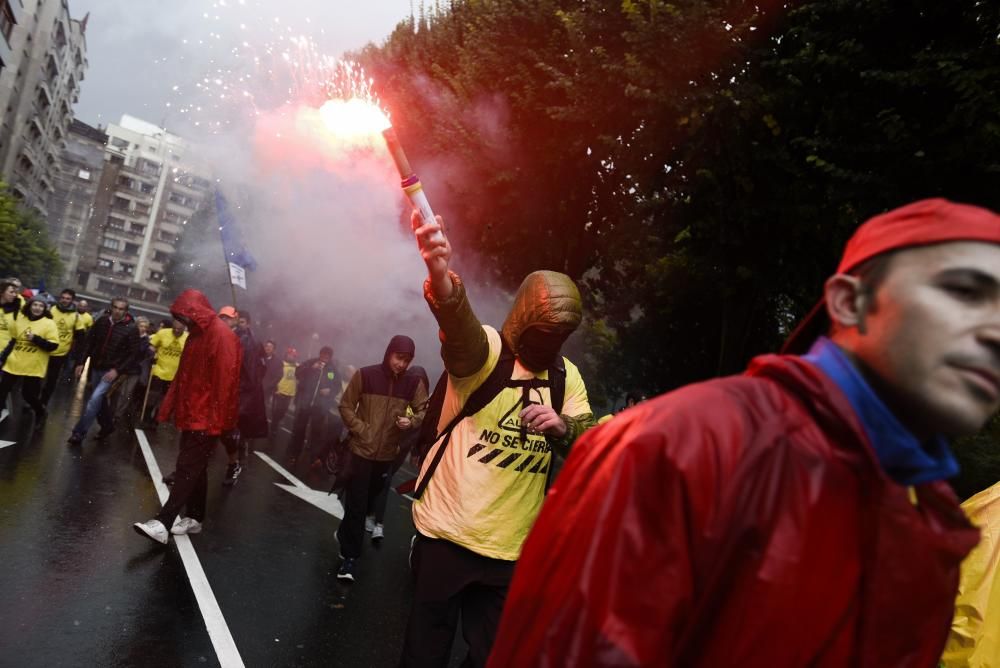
column 544, row 298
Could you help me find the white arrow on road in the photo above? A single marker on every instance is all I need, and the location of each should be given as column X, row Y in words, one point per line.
column 328, row 503
column 6, row 444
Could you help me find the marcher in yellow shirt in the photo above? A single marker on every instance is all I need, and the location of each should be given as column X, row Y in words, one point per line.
column 285, row 391
column 169, row 345
column 33, row 338
column 71, row 329
column 10, row 310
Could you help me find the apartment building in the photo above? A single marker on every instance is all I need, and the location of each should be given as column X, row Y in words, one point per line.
column 150, row 188
column 43, row 52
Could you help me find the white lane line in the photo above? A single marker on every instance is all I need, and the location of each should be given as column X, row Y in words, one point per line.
column 7, row 444
column 285, row 474
column 215, row 623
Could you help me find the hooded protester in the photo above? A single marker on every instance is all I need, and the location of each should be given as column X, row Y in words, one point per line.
column 203, row 401
column 317, row 382
column 71, row 330
column 797, row 514
column 374, row 409
column 34, row 337
column 510, row 399
column 114, row 349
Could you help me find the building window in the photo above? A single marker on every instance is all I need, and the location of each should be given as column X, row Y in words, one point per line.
column 107, row 287
column 168, row 237
column 104, row 263
column 160, row 256
column 6, row 20
column 137, row 229
column 135, row 293
column 126, row 268
column 116, row 223
column 83, row 174
column 147, row 188
column 112, row 244
column 118, row 142
column 155, row 275
column 131, row 249
column 119, row 203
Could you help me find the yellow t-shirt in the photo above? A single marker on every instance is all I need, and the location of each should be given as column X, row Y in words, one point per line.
column 488, row 488
column 168, row 353
column 27, row 359
column 67, row 324
column 286, row 385
column 87, row 320
column 6, row 322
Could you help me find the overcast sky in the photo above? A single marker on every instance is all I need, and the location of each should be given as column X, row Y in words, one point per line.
column 138, row 53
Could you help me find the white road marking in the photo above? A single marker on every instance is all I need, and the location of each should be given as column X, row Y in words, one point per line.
column 328, row 503
column 215, row 623
column 277, row 467
column 7, row 444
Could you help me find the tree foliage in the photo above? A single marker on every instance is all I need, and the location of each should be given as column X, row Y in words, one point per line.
column 25, row 251
column 697, row 165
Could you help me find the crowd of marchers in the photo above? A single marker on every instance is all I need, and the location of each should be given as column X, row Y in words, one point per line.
column 797, row 514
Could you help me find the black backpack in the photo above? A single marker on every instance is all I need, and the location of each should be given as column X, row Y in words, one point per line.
column 498, row 379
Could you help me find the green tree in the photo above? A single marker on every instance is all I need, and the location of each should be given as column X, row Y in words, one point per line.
column 25, row 250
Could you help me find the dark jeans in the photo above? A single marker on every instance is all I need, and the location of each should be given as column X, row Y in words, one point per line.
column 30, row 388
column 453, row 580
column 190, row 478
column 52, row 375
column 98, row 406
column 405, row 445
column 363, row 486
column 313, row 418
column 279, row 408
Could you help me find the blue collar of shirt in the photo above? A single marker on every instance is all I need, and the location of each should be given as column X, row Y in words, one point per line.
column 899, row 452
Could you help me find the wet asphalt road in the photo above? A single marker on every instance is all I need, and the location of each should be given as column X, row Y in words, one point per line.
column 81, row 588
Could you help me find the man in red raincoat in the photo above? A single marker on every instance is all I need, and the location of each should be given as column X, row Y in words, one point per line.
column 203, row 401
column 797, row 514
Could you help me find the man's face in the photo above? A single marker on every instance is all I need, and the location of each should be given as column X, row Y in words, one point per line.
column 143, row 327
column 118, row 310
column 244, row 322
column 65, row 299
column 230, row 322
column 399, row 362
column 37, row 308
column 325, row 357
column 268, row 348
column 932, row 337
column 82, row 306
column 177, row 327
column 9, row 295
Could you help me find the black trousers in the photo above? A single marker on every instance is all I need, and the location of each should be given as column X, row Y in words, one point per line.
column 453, row 580
column 190, row 478
column 405, row 445
column 56, row 365
column 363, row 486
column 313, row 418
column 31, row 386
column 279, row 408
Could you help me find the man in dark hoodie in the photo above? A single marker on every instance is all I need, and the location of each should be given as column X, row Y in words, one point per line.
column 374, row 409
column 317, row 382
column 113, row 347
column 253, row 415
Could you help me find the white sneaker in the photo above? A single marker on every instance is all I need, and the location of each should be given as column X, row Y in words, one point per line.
column 370, row 523
column 153, row 530
column 185, row 525
column 378, row 533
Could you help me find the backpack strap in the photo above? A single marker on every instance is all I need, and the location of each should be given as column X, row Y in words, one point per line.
column 478, row 400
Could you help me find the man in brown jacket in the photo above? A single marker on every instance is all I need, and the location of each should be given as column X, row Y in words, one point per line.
column 374, row 409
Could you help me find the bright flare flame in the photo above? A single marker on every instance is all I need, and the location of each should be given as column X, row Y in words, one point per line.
column 354, row 119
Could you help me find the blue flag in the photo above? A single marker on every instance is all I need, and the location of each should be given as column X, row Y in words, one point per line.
column 232, row 240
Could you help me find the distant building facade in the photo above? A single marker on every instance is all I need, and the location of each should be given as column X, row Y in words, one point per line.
column 43, row 59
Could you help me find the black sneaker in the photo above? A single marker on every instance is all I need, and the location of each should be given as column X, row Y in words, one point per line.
column 346, row 571
column 40, row 417
column 74, row 439
column 232, row 473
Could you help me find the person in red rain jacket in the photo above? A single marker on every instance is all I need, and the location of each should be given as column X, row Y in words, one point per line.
column 796, row 515
column 203, row 401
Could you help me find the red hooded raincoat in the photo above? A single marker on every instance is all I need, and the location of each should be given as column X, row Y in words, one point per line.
column 205, row 393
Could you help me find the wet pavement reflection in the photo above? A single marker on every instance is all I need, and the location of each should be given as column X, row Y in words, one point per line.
column 80, row 588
